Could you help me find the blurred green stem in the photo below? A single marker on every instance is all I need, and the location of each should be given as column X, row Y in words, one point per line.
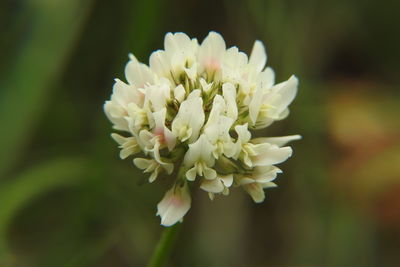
column 164, row 246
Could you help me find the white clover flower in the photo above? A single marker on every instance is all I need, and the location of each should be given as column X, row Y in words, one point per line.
column 188, row 116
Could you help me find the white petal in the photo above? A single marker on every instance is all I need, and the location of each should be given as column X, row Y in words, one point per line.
column 118, row 138
column 255, row 103
column 175, row 204
column 287, row 91
column 154, row 174
column 175, row 43
column 269, row 185
column 243, row 133
column 258, row 57
column 206, row 87
column 283, row 114
column 138, row 74
column 265, row 174
column 218, row 107
column 270, row 154
column 147, row 139
column 211, row 52
column 143, row 163
column 212, row 186
column 191, row 174
column 190, row 116
column 123, row 94
column 234, row 64
column 159, row 120
column 179, row 93
column 256, row 191
column 243, row 180
column 209, row 173
column 168, row 167
column 162, row 131
column 279, row 141
column 200, row 150
column 159, row 63
column 119, row 123
column 229, row 93
column 158, row 95
column 227, row 180
column 268, row 77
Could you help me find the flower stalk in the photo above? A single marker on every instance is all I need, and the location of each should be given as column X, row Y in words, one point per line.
column 164, row 246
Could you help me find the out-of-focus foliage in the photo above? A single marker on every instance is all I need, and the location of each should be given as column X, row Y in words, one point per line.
column 67, row 200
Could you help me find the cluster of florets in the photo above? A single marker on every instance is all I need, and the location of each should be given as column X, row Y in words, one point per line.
column 187, row 116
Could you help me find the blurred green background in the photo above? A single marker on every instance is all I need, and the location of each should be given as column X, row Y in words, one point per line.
column 66, row 199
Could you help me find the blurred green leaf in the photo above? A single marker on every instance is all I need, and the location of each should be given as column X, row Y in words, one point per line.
column 45, row 177
column 53, row 32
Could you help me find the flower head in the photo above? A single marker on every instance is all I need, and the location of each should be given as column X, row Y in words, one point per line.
column 189, row 114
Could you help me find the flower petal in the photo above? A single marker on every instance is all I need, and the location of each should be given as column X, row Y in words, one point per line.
column 258, row 57
column 279, row 141
column 175, row 204
column 229, row 93
column 287, row 91
column 256, row 191
column 212, row 186
column 268, row 154
column 138, row 74
column 211, row 52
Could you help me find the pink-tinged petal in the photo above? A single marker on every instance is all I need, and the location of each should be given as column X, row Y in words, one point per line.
column 175, row 204
column 211, row 52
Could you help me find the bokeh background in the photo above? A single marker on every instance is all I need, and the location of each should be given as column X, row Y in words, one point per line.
column 66, row 199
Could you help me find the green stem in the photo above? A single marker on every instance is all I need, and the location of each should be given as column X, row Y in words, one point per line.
column 164, row 246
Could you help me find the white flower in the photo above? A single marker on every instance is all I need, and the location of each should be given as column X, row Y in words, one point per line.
column 254, row 183
column 152, row 166
column 190, row 118
column 137, row 117
column 270, row 104
column 129, row 145
column 182, row 52
column 200, row 160
column 157, row 96
column 258, row 154
column 138, row 74
column 217, row 129
column 220, row 184
column 117, row 108
column 175, row 204
column 258, row 57
column 160, row 136
column 189, row 114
